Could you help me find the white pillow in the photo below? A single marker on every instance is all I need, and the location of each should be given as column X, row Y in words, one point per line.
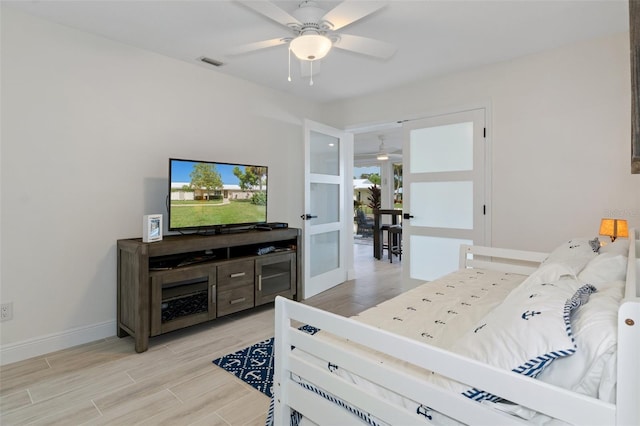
column 619, row 246
column 604, row 268
column 575, row 253
column 527, row 331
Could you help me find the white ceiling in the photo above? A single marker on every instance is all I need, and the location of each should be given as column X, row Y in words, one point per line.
column 432, row 37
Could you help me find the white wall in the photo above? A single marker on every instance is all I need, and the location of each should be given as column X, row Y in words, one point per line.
column 560, row 134
column 88, row 126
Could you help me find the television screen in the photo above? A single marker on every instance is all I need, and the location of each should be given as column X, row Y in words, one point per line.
column 205, row 194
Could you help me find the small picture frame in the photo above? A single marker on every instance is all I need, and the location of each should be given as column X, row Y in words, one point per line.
column 151, row 228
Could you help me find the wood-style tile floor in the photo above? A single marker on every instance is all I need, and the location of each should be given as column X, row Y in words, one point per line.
column 174, row 382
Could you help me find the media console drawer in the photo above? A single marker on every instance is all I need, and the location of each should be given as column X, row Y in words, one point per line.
column 236, row 274
column 235, row 286
column 235, row 300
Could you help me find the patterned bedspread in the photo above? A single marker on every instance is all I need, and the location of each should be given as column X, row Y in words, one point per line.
column 440, row 311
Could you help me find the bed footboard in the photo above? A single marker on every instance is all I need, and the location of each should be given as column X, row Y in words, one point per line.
column 294, row 366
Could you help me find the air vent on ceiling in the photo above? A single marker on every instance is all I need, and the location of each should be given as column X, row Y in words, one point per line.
column 210, row 61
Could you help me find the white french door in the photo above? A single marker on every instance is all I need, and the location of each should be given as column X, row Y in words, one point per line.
column 325, row 232
column 445, row 192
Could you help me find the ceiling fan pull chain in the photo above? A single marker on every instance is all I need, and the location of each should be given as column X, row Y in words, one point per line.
column 289, row 78
column 311, row 72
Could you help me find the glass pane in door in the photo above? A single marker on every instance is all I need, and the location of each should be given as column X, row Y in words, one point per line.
column 325, row 252
column 324, row 154
column 449, row 205
column 434, row 256
column 442, row 148
column 325, row 203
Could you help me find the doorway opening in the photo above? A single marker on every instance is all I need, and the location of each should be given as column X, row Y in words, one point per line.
column 366, row 197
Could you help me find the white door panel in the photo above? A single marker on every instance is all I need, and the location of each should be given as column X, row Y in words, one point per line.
column 326, row 231
column 445, row 192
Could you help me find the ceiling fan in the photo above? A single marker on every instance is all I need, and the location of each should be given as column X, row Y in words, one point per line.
column 383, row 153
column 313, row 30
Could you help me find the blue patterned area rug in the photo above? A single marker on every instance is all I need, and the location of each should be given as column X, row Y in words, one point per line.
column 254, row 365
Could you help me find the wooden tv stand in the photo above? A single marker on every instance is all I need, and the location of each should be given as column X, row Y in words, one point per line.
column 188, row 279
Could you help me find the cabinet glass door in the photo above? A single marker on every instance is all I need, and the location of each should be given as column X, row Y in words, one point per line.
column 276, row 276
column 182, row 297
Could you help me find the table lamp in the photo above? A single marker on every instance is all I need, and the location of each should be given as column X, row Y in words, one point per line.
column 614, row 228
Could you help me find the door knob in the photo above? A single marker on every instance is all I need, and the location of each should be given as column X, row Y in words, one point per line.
column 407, row 216
column 307, row 216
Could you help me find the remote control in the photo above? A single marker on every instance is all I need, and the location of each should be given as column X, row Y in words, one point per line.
column 265, row 250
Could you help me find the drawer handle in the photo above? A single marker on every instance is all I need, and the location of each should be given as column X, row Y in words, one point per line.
column 233, row 302
column 238, row 274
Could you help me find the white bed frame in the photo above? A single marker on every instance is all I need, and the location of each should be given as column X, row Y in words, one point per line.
column 555, row 402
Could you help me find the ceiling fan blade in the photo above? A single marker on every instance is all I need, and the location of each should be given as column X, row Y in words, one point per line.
column 350, row 11
column 251, row 47
column 365, row 46
column 271, row 11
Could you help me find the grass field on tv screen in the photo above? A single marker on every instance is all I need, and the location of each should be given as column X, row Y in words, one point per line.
column 202, row 213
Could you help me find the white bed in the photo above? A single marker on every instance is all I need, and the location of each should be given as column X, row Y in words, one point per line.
column 385, row 372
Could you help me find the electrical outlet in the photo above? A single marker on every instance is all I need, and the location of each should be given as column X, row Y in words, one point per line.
column 6, row 311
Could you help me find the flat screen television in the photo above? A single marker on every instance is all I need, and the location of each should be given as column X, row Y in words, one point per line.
column 207, row 195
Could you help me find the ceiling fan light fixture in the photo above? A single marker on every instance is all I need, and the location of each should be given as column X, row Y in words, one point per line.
column 310, row 47
column 382, row 153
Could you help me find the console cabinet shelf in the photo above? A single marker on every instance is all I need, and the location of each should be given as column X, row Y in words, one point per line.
column 188, row 279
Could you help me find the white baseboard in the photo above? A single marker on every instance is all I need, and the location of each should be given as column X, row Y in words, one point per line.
column 351, row 274
column 29, row 348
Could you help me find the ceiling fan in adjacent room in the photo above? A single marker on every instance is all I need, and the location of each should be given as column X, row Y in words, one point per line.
column 383, row 153
column 313, row 31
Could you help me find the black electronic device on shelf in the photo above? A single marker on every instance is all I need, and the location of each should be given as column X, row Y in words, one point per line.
column 278, row 225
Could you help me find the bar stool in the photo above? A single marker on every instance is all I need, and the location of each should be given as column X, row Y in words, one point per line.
column 384, row 227
column 394, row 240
